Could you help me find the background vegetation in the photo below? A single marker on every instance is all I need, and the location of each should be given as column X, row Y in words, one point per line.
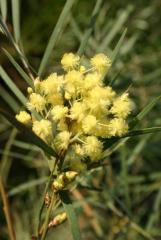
column 125, row 200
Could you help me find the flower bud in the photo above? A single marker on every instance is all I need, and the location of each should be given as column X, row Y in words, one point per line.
column 71, row 175
column 63, row 180
column 29, row 90
column 60, row 218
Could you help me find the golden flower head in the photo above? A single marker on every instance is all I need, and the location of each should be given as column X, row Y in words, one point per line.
column 101, row 62
column 89, row 123
column 70, row 61
column 118, row 127
column 36, row 102
column 122, row 106
column 43, row 129
column 62, row 140
column 77, row 111
column 23, row 117
column 93, row 148
column 58, row 112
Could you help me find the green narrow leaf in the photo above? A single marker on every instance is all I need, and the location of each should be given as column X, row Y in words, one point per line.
column 115, row 143
column 6, row 32
column 118, row 46
column 67, row 204
column 28, row 135
column 16, row 19
column 55, row 35
column 4, row 165
column 143, row 131
column 26, row 186
column 115, row 53
column 144, row 112
column 19, row 69
column 14, row 105
column 16, row 46
column 116, row 27
column 3, row 5
column 12, row 86
column 139, row 132
column 91, row 27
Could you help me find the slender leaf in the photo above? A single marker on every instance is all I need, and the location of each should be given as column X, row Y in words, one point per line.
column 114, row 55
column 12, row 86
column 144, row 112
column 5, row 166
column 55, row 35
column 16, row 47
column 138, row 132
column 16, row 19
column 91, row 27
column 3, row 5
column 14, row 105
column 118, row 46
column 116, row 27
column 27, row 186
column 143, row 131
column 67, row 204
column 28, row 134
column 19, row 69
column 114, row 143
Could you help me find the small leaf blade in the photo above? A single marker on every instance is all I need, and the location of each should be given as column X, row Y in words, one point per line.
column 3, row 5
column 55, row 35
column 91, row 27
column 16, row 19
column 12, row 86
column 19, row 69
column 67, row 204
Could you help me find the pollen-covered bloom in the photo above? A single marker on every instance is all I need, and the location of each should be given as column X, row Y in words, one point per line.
column 74, row 112
column 77, row 111
column 118, row 127
column 89, row 123
column 62, row 140
column 36, row 102
column 43, row 129
column 23, row 117
column 101, row 62
column 93, row 148
column 70, row 61
column 122, row 106
column 58, row 112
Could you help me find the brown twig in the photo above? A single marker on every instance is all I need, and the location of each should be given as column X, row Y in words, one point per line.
column 7, row 212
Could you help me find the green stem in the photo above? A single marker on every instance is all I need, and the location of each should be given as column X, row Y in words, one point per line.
column 42, row 202
column 45, row 228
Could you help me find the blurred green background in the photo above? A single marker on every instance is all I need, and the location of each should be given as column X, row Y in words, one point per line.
column 130, row 185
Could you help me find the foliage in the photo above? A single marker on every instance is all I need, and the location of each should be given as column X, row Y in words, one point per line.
column 122, row 198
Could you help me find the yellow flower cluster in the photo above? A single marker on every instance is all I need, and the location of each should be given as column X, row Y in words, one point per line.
column 77, row 110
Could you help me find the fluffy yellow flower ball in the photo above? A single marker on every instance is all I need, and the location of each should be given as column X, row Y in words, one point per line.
column 43, row 129
column 36, row 102
column 23, row 117
column 101, row 62
column 93, row 148
column 58, row 112
column 70, row 61
column 89, row 123
column 118, row 127
column 62, row 140
column 77, row 111
column 122, row 106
